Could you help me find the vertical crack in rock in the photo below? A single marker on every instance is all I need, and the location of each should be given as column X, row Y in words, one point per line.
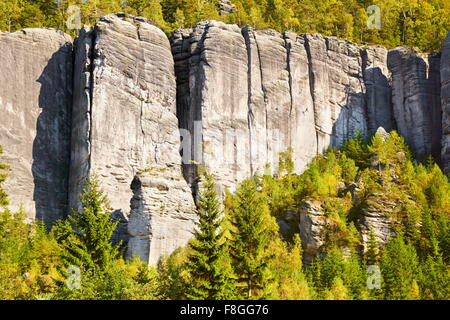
column 312, row 87
column 81, row 144
column 197, row 78
column 416, row 99
column 181, row 51
column 378, row 93
column 246, row 34
column 288, row 46
column 128, row 120
column 258, row 50
column 90, row 82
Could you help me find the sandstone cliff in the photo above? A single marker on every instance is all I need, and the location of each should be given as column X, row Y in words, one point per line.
column 35, row 118
column 236, row 96
column 246, row 95
column 124, row 122
column 416, row 99
column 162, row 216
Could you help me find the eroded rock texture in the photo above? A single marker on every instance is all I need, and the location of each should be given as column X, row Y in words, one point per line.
column 377, row 218
column 211, row 67
column 445, row 100
column 416, row 99
column 162, row 216
column 337, row 88
column 35, row 114
column 312, row 227
column 125, row 119
column 377, row 80
column 246, row 95
column 239, row 97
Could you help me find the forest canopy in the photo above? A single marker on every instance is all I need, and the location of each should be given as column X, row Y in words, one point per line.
column 416, row 23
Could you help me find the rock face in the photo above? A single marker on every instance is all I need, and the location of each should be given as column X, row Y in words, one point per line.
column 376, row 219
column 377, row 216
column 338, row 90
column 377, row 79
column 124, row 106
column 214, row 115
column 311, row 226
column 162, row 216
column 245, row 95
column 445, row 99
column 416, row 99
column 237, row 97
column 35, row 117
column 125, row 122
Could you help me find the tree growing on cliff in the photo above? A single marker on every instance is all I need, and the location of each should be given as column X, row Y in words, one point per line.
column 85, row 236
column 209, row 266
column 372, row 256
column 3, row 176
column 254, row 229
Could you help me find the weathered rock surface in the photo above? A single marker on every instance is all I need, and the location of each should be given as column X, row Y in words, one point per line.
column 35, row 116
column 162, row 216
column 125, row 122
column 445, row 100
column 241, row 96
column 377, row 218
column 312, row 225
column 378, row 89
column 124, row 106
column 214, row 59
column 245, row 95
column 338, row 89
column 416, row 99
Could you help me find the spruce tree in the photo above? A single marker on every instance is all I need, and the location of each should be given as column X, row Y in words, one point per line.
column 211, row 276
column 372, row 255
column 399, row 268
column 253, row 230
column 85, row 236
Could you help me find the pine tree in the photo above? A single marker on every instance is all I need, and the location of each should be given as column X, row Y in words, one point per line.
column 372, row 255
column 338, row 290
column 208, row 264
column 435, row 277
column 85, row 236
column 3, row 196
column 399, row 268
column 253, row 230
